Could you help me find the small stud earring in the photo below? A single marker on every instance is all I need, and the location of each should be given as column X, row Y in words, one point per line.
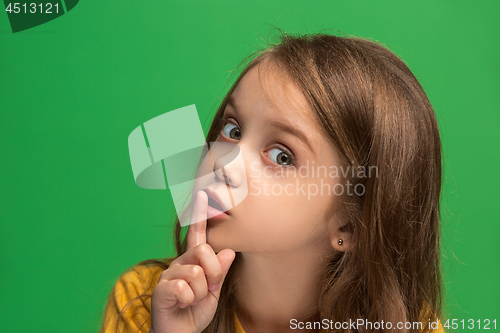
column 341, row 242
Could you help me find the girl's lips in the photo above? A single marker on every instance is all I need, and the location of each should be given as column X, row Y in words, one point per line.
column 219, row 205
column 213, row 213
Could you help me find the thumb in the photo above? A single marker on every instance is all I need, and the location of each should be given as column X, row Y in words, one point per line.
column 226, row 258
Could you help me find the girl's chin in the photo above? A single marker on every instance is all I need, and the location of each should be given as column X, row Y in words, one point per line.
column 213, row 241
column 218, row 244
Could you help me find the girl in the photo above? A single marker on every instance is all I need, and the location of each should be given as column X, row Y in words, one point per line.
column 340, row 227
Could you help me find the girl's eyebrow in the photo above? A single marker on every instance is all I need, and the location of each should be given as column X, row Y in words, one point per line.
column 285, row 128
column 293, row 131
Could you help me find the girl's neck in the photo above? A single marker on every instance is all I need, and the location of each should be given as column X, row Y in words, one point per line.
column 273, row 289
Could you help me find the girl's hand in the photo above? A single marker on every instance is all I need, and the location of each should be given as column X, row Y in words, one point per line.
column 187, row 293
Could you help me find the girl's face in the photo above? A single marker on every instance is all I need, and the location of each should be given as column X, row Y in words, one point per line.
column 281, row 147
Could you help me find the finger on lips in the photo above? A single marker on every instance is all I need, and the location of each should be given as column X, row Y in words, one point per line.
column 199, row 267
column 198, row 225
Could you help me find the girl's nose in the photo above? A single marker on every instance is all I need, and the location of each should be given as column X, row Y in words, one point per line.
column 229, row 166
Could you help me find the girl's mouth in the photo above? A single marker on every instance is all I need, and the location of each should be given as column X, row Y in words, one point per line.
column 214, row 210
column 214, row 204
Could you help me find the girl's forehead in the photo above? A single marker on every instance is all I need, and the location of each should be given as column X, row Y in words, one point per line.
column 266, row 82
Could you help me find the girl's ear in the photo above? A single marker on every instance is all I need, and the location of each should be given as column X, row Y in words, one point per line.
column 341, row 238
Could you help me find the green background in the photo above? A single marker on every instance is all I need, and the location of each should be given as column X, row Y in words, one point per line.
column 74, row 88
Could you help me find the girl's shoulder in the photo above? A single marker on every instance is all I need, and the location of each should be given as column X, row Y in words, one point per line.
column 129, row 302
column 142, row 278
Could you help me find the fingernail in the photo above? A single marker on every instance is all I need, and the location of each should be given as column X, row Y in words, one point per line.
column 215, row 287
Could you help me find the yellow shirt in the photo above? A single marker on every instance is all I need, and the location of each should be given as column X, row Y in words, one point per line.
column 136, row 317
column 239, row 329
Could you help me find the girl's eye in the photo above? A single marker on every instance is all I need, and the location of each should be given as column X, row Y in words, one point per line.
column 280, row 157
column 231, row 132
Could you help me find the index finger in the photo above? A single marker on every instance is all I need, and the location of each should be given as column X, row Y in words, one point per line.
column 197, row 230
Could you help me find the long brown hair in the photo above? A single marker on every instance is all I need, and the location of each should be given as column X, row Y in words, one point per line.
column 374, row 111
